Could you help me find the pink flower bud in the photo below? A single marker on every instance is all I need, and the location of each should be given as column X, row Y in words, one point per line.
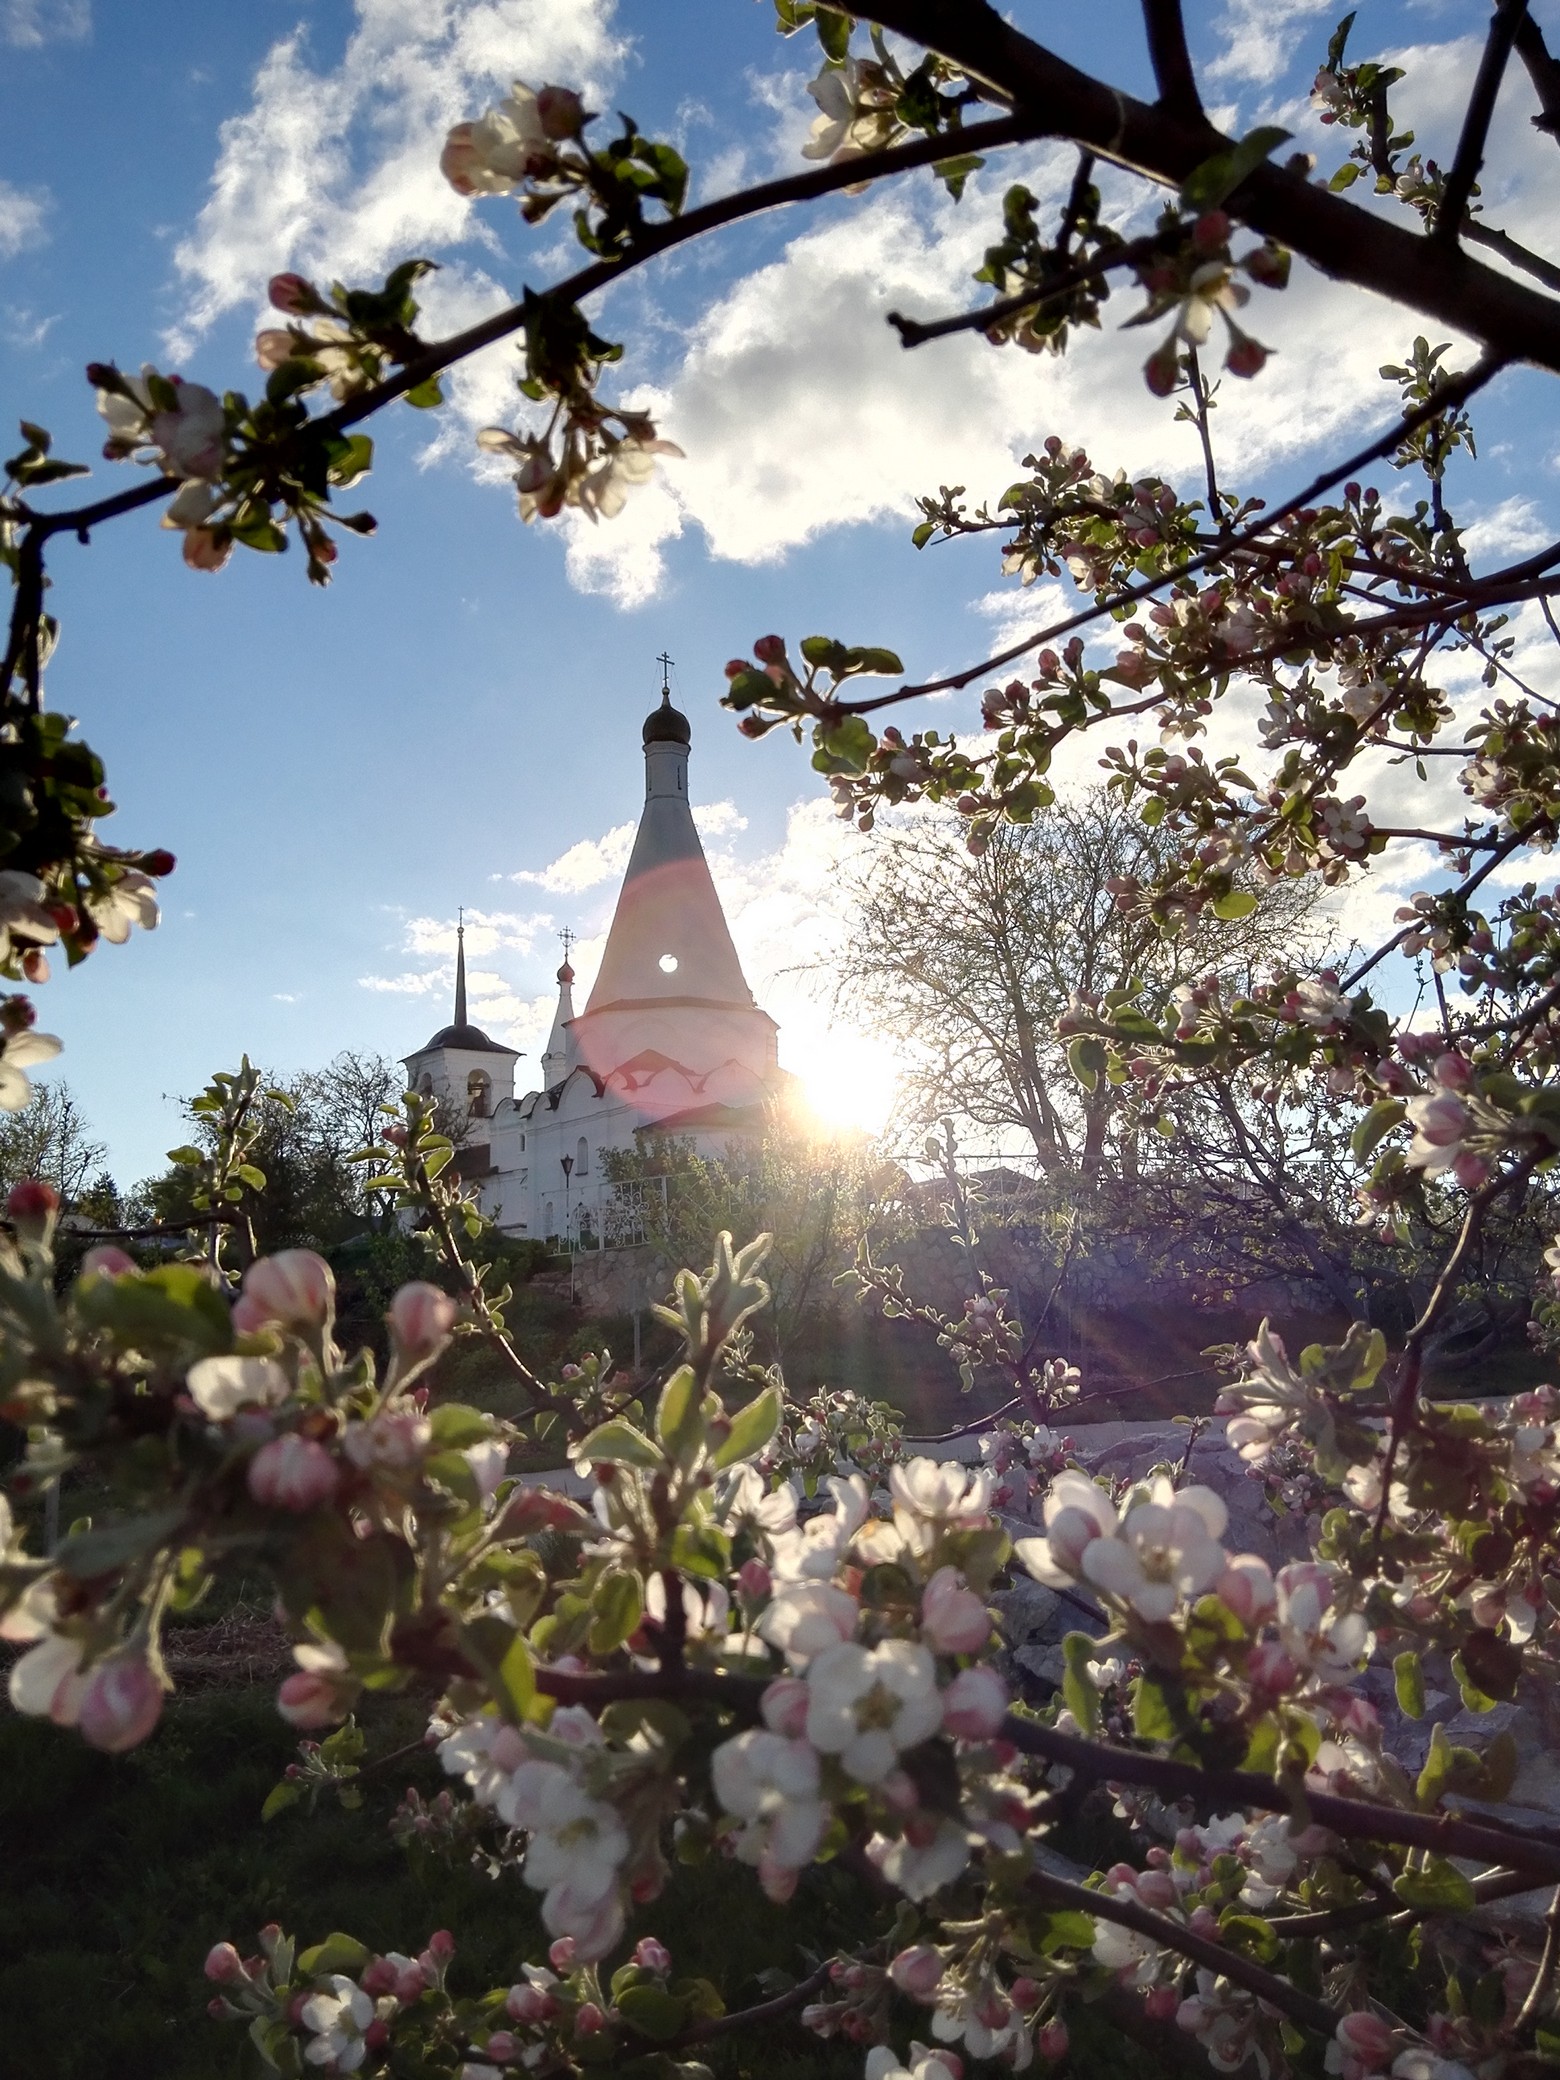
column 106, row 1262
column 410, row 1982
column 561, row 1954
column 1211, row 231
column 421, row 1318
column 121, row 1704
column 1246, row 1587
column 293, row 294
column 753, row 1579
column 1271, row 1669
column 502, row 2047
column 953, row 1618
column 784, row 1706
column 310, row 1699
column 1162, row 369
column 560, row 112
column 377, row 2034
column 1472, row 1171
column 1160, row 2003
column 1051, row 2042
column 589, row 2021
column 292, row 1473
column 652, row 1956
column 379, row 1977
column 917, row 1971
column 295, row 1287
column 1156, row 1889
column 32, row 1203
column 974, row 1704
column 530, row 2003
column 223, row 1963
column 1246, row 357
column 1364, row 2037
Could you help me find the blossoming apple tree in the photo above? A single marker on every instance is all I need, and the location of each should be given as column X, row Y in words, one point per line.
column 768, row 1634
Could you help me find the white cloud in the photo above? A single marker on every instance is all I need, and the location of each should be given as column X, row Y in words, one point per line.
column 1507, row 529
column 23, row 213
column 336, row 171
column 29, row 24
column 1260, row 37
column 585, row 865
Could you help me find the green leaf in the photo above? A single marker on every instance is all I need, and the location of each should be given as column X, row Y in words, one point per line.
column 1234, row 904
column 454, row 1473
column 1208, row 185
column 701, row 1549
column 1409, row 1677
column 1440, row 1888
column 1249, row 1933
column 1152, row 1715
column 1086, row 1057
column 338, row 1953
column 1078, row 1691
column 1492, row 1664
column 455, row 1426
column 751, row 1429
column 517, row 1677
column 106, row 1549
column 653, row 2012
column 1348, row 173
column 1438, row 1767
column 679, row 1418
column 616, row 1609
column 1381, row 1118
column 1067, row 1929
column 279, row 1798
column 426, row 394
column 619, row 1444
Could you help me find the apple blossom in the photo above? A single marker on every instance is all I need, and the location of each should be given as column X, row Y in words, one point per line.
column 869, row 1704
column 917, row 1970
column 1362, row 2043
column 120, row 1703
column 107, row 1261
column 807, row 1618
column 1166, row 1550
column 221, row 1386
column 974, row 1704
column 321, row 1693
column 929, row 1852
column 953, row 1618
column 421, row 1317
column 293, row 1473
column 223, row 1963
column 295, row 1287
column 771, row 1784
column 338, row 2019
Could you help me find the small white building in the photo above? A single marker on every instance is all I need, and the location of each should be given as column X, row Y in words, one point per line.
column 671, row 1042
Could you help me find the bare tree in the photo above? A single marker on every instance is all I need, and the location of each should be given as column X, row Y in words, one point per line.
column 971, row 962
column 50, row 1139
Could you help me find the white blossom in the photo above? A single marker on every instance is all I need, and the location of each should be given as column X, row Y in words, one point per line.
column 1166, row 1550
column 867, row 1704
column 338, row 2019
column 807, row 1618
column 771, row 1785
column 927, row 1856
column 22, row 1050
column 219, row 1387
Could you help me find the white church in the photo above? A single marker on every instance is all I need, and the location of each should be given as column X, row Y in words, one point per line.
column 670, row 1045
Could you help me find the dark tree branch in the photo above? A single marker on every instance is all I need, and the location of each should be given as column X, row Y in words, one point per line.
column 1354, row 1819
column 1171, row 59
column 914, row 333
column 1476, row 122
column 1341, row 238
column 1300, row 2007
column 1502, row 242
column 1543, row 71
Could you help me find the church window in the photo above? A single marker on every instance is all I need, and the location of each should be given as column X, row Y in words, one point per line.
column 477, row 1090
column 582, row 1159
column 425, row 1084
column 668, row 964
column 522, row 1144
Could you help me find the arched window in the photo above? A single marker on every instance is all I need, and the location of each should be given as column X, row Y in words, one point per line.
column 425, row 1085
column 477, row 1089
column 522, row 1144
column 549, row 1223
column 582, row 1159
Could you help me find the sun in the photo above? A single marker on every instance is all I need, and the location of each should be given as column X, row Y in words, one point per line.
column 849, row 1079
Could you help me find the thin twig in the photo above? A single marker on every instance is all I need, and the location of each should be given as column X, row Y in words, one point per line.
column 1452, row 394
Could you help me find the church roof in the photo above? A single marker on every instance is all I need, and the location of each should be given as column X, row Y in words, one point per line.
column 666, row 724
column 669, row 942
column 463, row 1037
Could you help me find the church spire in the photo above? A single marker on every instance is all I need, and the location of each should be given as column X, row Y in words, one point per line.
column 560, row 1054
column 460, row 971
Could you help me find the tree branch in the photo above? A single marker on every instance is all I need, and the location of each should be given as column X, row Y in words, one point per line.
column 1354, row 1819
column 1171, row 59
column 1171, row 1935
column 1543, row 71
column 1476, row 123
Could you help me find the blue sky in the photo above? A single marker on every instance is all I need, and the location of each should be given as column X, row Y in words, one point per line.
column 456, row 720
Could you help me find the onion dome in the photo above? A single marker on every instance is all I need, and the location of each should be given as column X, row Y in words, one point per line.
column 666, row 724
